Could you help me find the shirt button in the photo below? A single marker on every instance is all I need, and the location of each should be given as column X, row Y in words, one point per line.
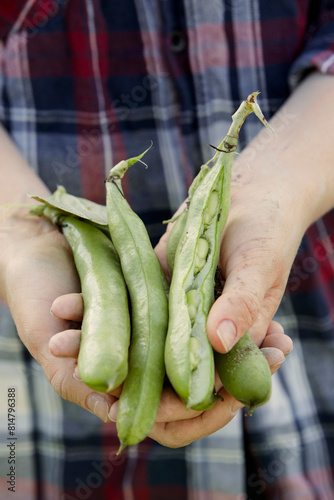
column 178, row 41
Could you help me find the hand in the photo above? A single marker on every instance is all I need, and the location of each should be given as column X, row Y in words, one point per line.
column 36, row 267
column 276, row 195
column 175, row 426
column 257, row 251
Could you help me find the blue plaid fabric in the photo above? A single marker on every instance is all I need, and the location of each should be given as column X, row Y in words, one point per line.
column 87, row 83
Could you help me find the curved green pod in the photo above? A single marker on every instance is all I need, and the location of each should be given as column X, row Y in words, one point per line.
column 194, row 269
column 245, row 373
column 189, row 362
column 140, row 397
column 174, row 238
column 105, row 331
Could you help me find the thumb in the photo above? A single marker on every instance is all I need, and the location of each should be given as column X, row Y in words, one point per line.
column 160, row 250
column 235, row 311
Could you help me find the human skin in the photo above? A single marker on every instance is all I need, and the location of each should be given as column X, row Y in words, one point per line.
column 275, row 177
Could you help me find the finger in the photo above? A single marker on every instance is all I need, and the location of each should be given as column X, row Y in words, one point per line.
column 76, row 373
column 278, row 341
column 112, row 415
column 274, row 356
column 160, row 248
column 115, row 392
column 99, row 405
column 60, row 374
column 65, row 344
column 175, row 434
column 263, row 329
column 275, row 328
column 260, row 328
column 69, row 307
column 172, row 408
column 178, row 433
column 243, row 303
column 233, row 313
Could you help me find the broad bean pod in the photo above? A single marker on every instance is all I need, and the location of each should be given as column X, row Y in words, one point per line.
column 181, row 219
column 188, row 353
column 140, row 397
column 105, row 329
column 245, row 373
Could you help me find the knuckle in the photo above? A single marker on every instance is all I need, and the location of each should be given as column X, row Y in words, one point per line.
column 169, row 435
column 175, row 442
column 176, row 437
column 248, row 308
column 58, row 383
column 55, row 381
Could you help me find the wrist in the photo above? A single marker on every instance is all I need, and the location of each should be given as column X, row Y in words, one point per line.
column 296, row 165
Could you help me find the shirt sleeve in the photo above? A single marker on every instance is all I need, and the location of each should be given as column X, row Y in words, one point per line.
column 27, row 15
column 317, row 53
column 9, row 13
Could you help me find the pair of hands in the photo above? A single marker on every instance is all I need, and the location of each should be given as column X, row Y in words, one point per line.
column 257, row 252
column 274, row 200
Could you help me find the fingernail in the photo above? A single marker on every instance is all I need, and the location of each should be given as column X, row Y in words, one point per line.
column 236, row 406
column 288, row 352
column 113, row 412
column 227, row 333
column 76, row 374
column 279, row 363
column 53, row 347
column 274, row 356
column 98, row 405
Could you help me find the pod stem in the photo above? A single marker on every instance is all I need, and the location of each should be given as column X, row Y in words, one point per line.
column 119, row 170
column 229, row 145
column 250, row 105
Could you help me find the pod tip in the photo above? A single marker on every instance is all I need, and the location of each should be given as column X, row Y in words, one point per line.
column 123, row 445
column 250, row 411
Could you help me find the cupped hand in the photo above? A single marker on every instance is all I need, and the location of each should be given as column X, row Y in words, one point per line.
column 256, row 269
column 36, row 267
column 259, row 245
column 264, row 229
column 175, row 426
column 257, row 251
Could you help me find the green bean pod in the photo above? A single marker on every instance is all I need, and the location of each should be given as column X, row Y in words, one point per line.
column 180, row 221
column 189, row 363
column 245, row 373
column 105, row 331
column 174, row 238
column 140, row 398
column 194, row 267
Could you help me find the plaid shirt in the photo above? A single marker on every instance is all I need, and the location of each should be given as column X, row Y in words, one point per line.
column 86, row 83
